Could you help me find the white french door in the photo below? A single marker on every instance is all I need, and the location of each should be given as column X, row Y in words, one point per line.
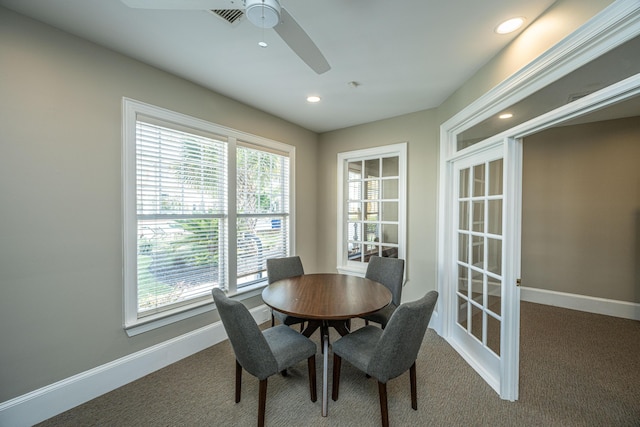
column 472, row 279
column 483, row 311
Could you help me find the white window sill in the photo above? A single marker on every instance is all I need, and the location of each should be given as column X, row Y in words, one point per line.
column 159, row 320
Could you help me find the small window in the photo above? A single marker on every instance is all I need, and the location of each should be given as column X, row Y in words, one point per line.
column 372, row 206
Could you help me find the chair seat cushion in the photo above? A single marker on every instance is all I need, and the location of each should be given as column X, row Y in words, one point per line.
column 285, row 319
column 381, row 316
column 358, row 347
column 288, row 346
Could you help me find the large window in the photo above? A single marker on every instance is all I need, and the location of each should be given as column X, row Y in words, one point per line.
column 372, row 201
column 204, row 207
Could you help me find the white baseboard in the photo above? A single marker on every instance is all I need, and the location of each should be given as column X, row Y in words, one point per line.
column 608, row 307
column 48, row 401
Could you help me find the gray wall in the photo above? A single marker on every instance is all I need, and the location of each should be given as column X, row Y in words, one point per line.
column 60, row 186
column 581, row 210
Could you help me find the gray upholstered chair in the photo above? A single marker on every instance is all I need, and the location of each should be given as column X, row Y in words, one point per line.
column 283, row 268
column 390, row 273
column 385, row 354
column 263, row 353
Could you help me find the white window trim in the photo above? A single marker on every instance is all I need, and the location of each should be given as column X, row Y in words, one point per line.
column 131, row 109
column 345, row 266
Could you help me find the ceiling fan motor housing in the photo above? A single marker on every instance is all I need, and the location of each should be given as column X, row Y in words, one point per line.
column 263, row 13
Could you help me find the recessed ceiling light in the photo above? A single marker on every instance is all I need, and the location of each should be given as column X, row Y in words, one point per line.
column 313, row 99
column 505, row 116
column 509, row 25
column 262, row 44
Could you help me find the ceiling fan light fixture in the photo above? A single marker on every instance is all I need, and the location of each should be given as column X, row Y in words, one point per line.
column 263, row 13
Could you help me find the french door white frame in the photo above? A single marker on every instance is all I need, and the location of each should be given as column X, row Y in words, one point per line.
column 616, row 24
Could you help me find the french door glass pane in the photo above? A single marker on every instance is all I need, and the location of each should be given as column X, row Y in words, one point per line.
column 463, row 280
column 476, row 322
column 389, row 251
column 478, row 180
column 371, row 213
column 463, row 215
column 355, row 251
column 391, row 166
column 494, row 219
column 390, row 211
column 493, row 334
column 355, row 170
column 372, row 232
column 495, row 177
column 462, row 312
column 372, row 190
column 494, row 255
column 372, row 168
column 390, row 233
column 390, row 189
column 355, row 190
column 354, row 230
column 355, row 211
column 477, row 286
column 463, row 248
column 464, row 183
column 494, row 287
column 477, row 251
column 478, row 215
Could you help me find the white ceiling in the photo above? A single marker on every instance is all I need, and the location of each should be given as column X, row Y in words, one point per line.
column 407, row 55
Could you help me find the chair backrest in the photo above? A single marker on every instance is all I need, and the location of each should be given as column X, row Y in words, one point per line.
column 400, row 341
column 282, row 268
column 389, row 272
column 249, row 345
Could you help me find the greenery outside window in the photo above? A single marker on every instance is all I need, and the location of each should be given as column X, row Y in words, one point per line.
column 204, row 207
column 372, row 206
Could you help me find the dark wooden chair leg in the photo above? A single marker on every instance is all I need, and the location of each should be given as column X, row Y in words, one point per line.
column 311, row 363
column 238, row 381
column 384, row 409
column 273, row 320
column 262, row 402
column 337, row 361
column 414, row 388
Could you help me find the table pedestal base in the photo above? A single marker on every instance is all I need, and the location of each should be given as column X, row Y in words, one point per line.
column 312, row 326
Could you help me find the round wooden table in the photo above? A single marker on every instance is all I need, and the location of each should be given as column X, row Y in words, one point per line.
column 326, row 300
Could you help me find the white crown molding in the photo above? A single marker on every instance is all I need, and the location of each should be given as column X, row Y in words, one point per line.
column 613, row 26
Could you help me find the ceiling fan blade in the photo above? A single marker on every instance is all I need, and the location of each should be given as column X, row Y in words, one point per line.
column 184, row 4
column 294, row 36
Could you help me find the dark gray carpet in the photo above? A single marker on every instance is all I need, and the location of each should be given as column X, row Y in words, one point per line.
column 576, row 369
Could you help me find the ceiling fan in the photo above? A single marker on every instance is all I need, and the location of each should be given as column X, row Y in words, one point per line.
column 261, row 13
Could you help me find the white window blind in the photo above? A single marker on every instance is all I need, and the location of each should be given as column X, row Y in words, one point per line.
column 181, row 195
column 262, row 210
